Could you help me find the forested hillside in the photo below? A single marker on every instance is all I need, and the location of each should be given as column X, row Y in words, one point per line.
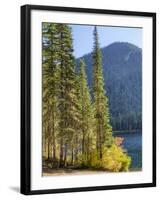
column 122, row 70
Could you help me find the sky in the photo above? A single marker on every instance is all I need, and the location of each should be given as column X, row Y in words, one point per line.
column 83, row 37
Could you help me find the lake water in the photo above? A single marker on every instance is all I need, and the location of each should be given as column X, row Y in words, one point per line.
column 133, row 144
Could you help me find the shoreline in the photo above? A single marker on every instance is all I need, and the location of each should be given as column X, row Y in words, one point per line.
column 126, row 131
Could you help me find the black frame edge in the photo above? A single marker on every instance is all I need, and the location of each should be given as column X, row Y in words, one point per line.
column 26, row 102
column 89, row 189
column 89, row 10
column 154, row 98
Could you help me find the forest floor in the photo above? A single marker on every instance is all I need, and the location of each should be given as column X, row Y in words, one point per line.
column 55, row 172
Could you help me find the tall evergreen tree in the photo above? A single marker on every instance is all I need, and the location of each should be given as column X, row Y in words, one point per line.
column 50, row 89
column 86, row 113
column 69, row 117
column 103, row 128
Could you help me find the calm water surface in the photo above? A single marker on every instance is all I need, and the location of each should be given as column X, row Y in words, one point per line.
column 133, row 145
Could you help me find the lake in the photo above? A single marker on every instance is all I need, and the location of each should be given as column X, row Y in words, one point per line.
column 133, row 145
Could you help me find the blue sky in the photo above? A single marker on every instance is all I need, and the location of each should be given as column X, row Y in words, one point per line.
column 83, row 37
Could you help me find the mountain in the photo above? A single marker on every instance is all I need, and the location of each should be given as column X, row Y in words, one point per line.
column 122, row 70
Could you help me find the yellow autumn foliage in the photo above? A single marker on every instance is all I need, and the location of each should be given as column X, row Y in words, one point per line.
column 114, row 160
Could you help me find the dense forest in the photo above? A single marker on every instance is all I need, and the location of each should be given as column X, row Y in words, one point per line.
column 122, row 70
column 77, row 132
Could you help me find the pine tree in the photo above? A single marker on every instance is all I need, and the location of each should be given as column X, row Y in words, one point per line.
column 103, row 128
column 50, row 89
column 69, row 117
column 86, row 114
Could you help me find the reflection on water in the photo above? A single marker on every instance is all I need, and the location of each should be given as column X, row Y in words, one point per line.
column 133, row 145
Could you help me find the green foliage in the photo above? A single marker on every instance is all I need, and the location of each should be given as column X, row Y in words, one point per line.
column 86, row 112
column 50, row 78
column 103, row 128
column 68, row 104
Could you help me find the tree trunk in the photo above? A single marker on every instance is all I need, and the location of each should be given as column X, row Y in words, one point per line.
column 54, row 143
column 61, row 153
column 65, row 155
column 54, row 149
column 83, row 140
column 72, row 158
column 48, row 149
column 76, row 149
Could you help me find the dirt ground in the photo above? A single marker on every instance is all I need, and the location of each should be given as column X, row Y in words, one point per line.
column 57, row 172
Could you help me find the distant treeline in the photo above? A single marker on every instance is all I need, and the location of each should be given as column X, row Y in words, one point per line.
column 130, row 121
column 122, row 71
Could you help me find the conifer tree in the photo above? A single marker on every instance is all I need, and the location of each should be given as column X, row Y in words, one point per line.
column 103, row 128
column 86, row 113
column 69, row 117
column 50, row 89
